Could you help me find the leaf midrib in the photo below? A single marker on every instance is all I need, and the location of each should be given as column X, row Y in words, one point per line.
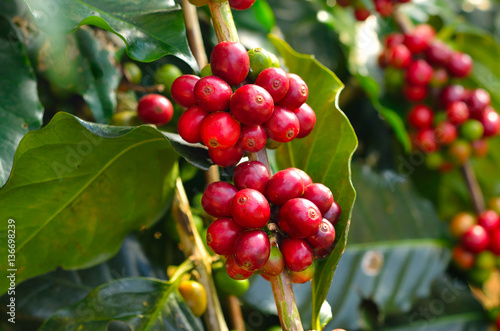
column 391, row 244
column 79, row 192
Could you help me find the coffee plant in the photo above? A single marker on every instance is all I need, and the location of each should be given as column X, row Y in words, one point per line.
column 186, row 165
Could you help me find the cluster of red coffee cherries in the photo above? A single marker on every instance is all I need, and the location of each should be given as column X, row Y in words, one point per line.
column 450, row 122
column 289, row 203
column 478, row 250
column 269, row 110
column 385, row 8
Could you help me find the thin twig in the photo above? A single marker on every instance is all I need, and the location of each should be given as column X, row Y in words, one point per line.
column 473, row 187
column 193, row 32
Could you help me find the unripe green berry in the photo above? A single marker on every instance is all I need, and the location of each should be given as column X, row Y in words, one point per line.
column 260, row 59
column 166, row 75
column 132, row 72
column 434, row 160
column 126, row 118
column 472, row 130
column 486, row 260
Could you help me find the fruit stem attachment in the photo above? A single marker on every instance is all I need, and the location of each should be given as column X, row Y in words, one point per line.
column 193, row 248
column 473, row 187
column 223, row 22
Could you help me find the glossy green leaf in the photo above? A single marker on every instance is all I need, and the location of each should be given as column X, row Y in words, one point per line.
column 395, row 233
column 20, row 108
column 150, row 29
column 259, row 17
column 325, row 155
column 137, row 303
column 77, row 189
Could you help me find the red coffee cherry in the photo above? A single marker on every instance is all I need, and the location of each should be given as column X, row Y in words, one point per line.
column 489, row 220
column 229, row 60
column 361, row 14
column 251, row 105
column 333, row 214
column 212, row 94
column 459, row 64
column 220, row 130
column 419, row 72
column 457, row 112
column 307, row 119
column 320, row 195
column 299, row 218
column 399, row 56
column 480, row 147
column 421, row 116
column 283, row 126
column 490, row 121
column 155, row 109
column 451, row 94
column 495, row 242
column 393, row 39
column 445, row 133
column 476, row 239
column 235, row 271
column 241, row 4
column 275, row 81
column 324, row 237
column 425, row 140
column 250, row 209
column 222, row 234
column 251, row 174
column 462, row 258
column 216, row 199
column 478, row 100
column 305, row 177
column 189, row 125
column 418, row 40
column 226, row 157
column 296, row 253
column 183, row 90
column 283, row 186
column 438, row 53
column 439, row 77
column 275, row 265
column 303, row 276
column 415, row 93
column 297, row 93
column 384, row 7
column 252, row 138
column 252, row 249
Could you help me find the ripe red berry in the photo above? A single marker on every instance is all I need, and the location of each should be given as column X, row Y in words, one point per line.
column 212, row 94
column 183, row 90
column 320, row 195
column 296, row 253
column 303, row 276
column 229, row 60
column 393, row 39
column 250, row 209
column 189, row 125
column 399, row 56
column 251, row 174
column 275, row 81
column 155, row 109
column 305, row 177
column 284, row 185
column 420, row 116
column 418, row 40
column 361, row 14
column 216, row 199
column 457, row 112
column 462, row 258
column 251, row 105
column 480, row 147
column 438, row 53
column 252, row 138
column 415, row 93
column 384, row 7
column 275, row 265
column 419, row 72
column 459, row 64
column 241, row 4
column 226, row 157
column 324, row 237
column 491, row 122
column 220, row 130
column 252, row 249
column 495, row 242
column 476, row 239
column 426, row 141
column 235, row 271
column 439, row 77
column 299, row 218
column 445, row 133
column 283, row 126
column 477, row 101
column 333, row 214
column 297, row 93
column 307, row 119
column 222, row 234
column 489, row 220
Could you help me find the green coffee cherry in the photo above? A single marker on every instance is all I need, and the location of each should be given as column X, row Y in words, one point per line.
column 434, row 161
column 230, row 286
column 394, row 78
column 472, row 130
column 206, row 71
column 126, row 118
column 486, row 260
column 260, row 59
column 166, row 75
column 132, row 72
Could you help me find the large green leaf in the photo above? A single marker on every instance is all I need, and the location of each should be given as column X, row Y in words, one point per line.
column 77, row 189
column 325, row 155
column 396, row 249
column 20, row 108
column 150, row 29
column 136, row 303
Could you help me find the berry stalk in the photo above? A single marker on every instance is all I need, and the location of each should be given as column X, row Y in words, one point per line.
column 222, row 20
column 473, row 187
